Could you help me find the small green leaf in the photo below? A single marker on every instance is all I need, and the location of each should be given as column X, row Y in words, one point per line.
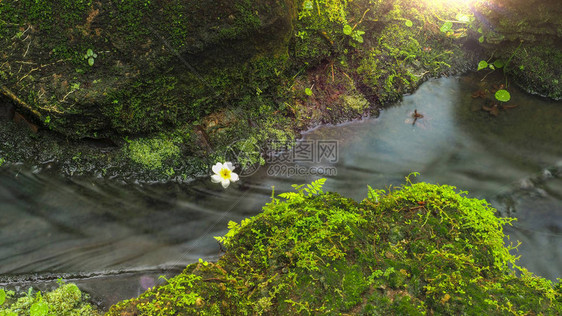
column 347, row 29
column 492, row 66
column 2, row 296
column 446, row 27
column 95, row 55
column 462, row 17
column 89, row 52
column 39, row 309
column 498, row 63
column 308, row 91
column 91, row 61
column 481, row 39
column 232, row 224
column 409, row 23
column 308, row 5
column 480, row 30
column 502, row 95
column 482, row 65
column 357, row 36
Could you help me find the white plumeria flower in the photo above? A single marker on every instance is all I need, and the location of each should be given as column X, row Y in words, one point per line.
column 224, row 174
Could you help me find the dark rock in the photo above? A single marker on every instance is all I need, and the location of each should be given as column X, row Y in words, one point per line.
column 6, row 110
column 136, row 66
column 21, row 120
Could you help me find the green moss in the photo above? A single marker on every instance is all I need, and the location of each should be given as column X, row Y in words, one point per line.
column 420, row 249
column 151, row 152
column 356, row 102
column 537, row 69
column 402, row 57
column 66, row 300
column 158, row 65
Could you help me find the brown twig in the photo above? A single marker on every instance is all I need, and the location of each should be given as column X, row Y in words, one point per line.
column 40, row 67
column 6, row 92
column 364, row 13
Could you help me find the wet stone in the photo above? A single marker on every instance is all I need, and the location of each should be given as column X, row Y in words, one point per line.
column 6, row 110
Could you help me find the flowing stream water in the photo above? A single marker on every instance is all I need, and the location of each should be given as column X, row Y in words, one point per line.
column 114, row 240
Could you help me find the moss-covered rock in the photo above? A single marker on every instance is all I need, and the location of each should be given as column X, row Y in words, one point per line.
column 66, row 300
column 416, row 250
column 528, row 34
column 88, row 68
column 199, row 78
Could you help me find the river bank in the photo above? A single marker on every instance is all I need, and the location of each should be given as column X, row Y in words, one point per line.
column 334, row 64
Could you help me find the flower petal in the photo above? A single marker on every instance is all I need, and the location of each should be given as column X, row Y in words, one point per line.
column 233, row 177
column 225, row 183
column 229, row 165
column 217, row 168
column 216, row 178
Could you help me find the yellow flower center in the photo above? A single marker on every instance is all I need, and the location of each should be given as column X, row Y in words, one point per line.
column 225, row 173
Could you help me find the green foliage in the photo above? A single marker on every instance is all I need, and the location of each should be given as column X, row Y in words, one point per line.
column 308, row 91
column 65, row 300
column 302, row 191
column 331, row 10
column 409, row 23
column 90, row 56
column 356, row 35
column 502, row 95
column 178, row 290
column 497, row 64
column 39, row 308
column 233, row 229
column 482, row 65
column 446, row 27
column 2, row 296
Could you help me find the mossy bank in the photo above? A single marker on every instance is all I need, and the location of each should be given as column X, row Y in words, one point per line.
column 149, row 90
column 66, row 300
column 416, row 250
